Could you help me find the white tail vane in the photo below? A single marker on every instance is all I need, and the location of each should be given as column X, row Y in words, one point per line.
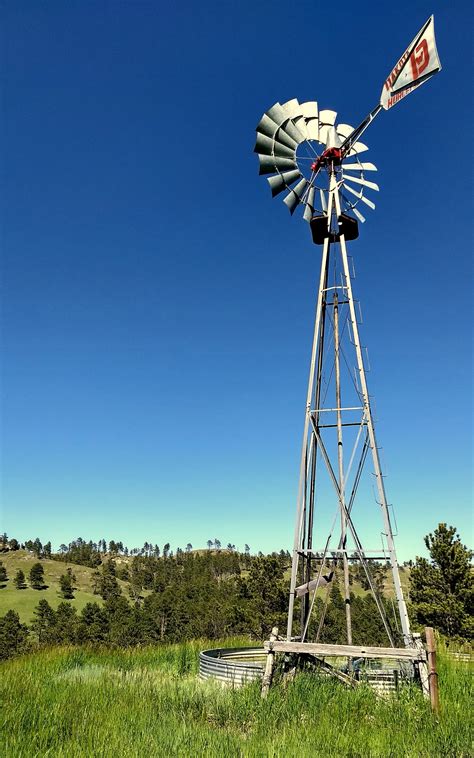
column 419, row 62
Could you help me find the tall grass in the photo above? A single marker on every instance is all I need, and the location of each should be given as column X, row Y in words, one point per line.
column 150, row 702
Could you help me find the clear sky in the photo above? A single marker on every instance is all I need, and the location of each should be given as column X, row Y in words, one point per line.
column 158, row 304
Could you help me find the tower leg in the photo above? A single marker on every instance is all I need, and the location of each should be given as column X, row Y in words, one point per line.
column 301, row 505
column 402, row 610
column 340, row 460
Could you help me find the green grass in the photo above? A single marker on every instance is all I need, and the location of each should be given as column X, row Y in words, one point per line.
column 24, row 601
column 150, row 702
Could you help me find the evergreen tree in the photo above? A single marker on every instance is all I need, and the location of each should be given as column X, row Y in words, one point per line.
column 3, row 573
column 66, row 583
column 441, row 590
column 12, row 635
column 66, row 623
column 267, row 596
column 44, row 623
column 19, row 580
column 37, row 576
column 105, row 581
column 93, row 624
column 37, row 547
column 14, row 544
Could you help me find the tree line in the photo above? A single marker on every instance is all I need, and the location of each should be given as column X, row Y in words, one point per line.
column 218, row 593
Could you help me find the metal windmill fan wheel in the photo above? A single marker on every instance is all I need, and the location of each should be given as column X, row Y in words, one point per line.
column 291, row 138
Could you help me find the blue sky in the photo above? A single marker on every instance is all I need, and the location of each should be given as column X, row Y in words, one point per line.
column 158, row 305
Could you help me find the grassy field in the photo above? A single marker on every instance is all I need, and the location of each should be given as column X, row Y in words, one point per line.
column 24, row 601
column 77, row 702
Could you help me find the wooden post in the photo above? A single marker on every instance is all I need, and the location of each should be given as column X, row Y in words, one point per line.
column 432, row 673
column 422, row 666
column 267, row 676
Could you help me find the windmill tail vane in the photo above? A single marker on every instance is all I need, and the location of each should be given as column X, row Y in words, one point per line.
column 319, row 163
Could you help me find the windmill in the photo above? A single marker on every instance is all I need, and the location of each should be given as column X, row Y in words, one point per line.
column 320, row 165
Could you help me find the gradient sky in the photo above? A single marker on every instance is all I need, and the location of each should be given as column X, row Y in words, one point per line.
column 158, row 304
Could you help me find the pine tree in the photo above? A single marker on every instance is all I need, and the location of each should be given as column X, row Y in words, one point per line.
column 66, row 625
column 37, row 547
column 44, row 622
column 105, row 581
column 441, row 590
column 37, row 576
column 93, row 625
column 66, row 583
column 12, row 635
column 19, row 580
column 3, row 573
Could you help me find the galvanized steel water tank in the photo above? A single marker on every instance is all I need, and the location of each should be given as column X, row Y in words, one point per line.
column 235, row 666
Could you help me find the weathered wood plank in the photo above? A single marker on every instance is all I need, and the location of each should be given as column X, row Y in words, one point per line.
column 353, row 651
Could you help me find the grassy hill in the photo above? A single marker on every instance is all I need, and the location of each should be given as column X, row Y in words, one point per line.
column 149, row 701
column 24, row 601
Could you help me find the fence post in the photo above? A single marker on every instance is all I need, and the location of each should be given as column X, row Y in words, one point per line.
column 432, row 672
column 267, row 677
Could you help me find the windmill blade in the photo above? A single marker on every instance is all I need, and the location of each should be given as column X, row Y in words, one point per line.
column 312, row 128
column 344, row 130
column 363, row 182
column 290, row 128
column 309, row 208
column 357, row 147
column 285, row 139
column 270, row 129
column 267, row 126
column 309, row 109
column 291, row 107
column 277, row 114
column 294, row 196
column 270, row 164
column 359, row 167
column 282, row 181
column 359, row 195
column 300, row 123
column 332, row 138
column 327, row 117
column 266, row 146
column 358, row 214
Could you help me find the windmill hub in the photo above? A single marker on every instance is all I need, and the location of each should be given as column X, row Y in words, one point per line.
column 332, row 155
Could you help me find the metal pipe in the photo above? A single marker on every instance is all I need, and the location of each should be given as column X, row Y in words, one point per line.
column 340, row 460
column 300, row 503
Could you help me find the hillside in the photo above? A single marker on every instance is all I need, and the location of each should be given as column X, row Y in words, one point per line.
column 24, row 601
